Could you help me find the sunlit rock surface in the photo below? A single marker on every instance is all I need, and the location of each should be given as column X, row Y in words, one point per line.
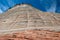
column 22, row 17
column 32, row 35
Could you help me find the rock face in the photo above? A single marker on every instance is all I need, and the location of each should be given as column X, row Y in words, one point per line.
column 37, row 25
column 27, row 17
column 32, row 35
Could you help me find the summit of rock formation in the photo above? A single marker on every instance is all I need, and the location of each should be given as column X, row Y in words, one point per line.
column 27, row 17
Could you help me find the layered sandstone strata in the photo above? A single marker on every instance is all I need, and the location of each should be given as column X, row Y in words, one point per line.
column 32, row 35
column 25, row 17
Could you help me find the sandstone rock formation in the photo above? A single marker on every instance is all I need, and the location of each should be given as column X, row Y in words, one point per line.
column 22, row 17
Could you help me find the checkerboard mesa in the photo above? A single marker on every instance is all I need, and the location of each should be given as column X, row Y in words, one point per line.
column 25, row 17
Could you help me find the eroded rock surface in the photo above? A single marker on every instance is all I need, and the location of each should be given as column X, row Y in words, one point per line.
column 32, row 35
column 25, row 16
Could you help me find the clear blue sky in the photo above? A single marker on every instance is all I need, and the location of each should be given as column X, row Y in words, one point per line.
column 44, row 5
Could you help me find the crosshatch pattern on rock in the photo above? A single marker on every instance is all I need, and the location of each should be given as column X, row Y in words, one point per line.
column 26, row 17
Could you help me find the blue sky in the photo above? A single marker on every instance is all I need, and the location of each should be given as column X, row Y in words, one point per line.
column 44, row 5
